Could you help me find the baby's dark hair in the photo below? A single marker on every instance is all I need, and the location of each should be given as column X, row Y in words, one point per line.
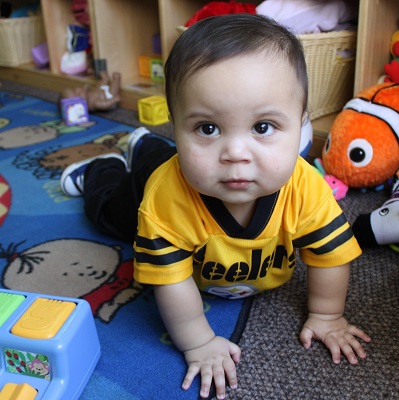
column 219, row 38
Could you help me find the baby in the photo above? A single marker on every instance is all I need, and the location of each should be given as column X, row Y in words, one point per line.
column 226, row 213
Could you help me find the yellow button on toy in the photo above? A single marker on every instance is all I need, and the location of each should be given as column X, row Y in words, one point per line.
column 23, row 391
column 43, row 319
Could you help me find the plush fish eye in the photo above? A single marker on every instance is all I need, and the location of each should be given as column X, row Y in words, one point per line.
column 360, row 152
column 384, row 211
column 327, row 144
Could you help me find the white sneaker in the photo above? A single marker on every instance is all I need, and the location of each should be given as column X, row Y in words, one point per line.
column 136, row 139
column 72, row 178
column 133, row 140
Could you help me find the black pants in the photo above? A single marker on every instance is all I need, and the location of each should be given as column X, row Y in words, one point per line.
column 112, row 196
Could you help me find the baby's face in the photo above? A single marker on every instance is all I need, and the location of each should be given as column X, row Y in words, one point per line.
column 237, row 127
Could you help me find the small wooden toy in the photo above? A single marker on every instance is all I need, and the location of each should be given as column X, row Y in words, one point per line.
column 40, row 55
column 151, row 66
column 153, row 110
column 104, row 95
column 156, row 67
column 74, row 111
column 49, row 346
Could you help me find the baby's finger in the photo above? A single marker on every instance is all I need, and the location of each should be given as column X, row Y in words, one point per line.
column 346, row 343
column 335, row 349
column 192, row 372
column 230, row 371
column 357, row 347
column 353, row 330
column 220, row 381
column 235, row 352
column 305, row 337
column 206, row 380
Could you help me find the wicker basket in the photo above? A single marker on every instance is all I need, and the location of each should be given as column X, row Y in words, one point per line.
column 17, row 37
column 331, row 75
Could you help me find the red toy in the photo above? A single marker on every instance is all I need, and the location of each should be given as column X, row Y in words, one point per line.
column 215, row 8
column 80, row 10
column 392, row 69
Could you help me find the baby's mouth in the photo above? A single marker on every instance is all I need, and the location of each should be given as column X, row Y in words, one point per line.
column 237, row 184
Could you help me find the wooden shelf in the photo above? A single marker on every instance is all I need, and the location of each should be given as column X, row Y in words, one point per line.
column 122, row 30
column 377, row 22
column 130, row 92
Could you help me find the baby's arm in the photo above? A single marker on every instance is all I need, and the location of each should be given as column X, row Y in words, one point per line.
column 213, row 357
column 327, row 289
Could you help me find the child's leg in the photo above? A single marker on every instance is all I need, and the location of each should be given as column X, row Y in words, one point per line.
column 101, row 179
column 112, row 196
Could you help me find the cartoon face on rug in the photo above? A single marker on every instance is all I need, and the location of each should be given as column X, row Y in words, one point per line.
column 60, row 159
column 26, row 136
column 44, row 268
column 50, row 162
column 33, row 134
column 74, row 268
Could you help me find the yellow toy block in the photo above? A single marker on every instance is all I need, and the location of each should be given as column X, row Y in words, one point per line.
column 23, row 391
column 153, row 110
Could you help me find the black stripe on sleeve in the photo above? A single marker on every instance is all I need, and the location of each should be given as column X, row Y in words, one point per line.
column 152, row 244
column 162, row 259
column 330, row 246
column 321, row 233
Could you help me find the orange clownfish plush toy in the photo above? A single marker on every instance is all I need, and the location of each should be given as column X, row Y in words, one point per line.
column 362, row 149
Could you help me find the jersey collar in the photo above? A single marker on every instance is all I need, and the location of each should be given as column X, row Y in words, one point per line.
column 263, row 212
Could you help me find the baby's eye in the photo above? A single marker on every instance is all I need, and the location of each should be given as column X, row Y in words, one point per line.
column 263, row 128
column 208, row 130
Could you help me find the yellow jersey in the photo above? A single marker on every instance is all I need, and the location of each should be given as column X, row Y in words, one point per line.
column 182, row 233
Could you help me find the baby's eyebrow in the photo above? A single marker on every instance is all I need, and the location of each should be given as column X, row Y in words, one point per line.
column 200, row 115
column 271, row 114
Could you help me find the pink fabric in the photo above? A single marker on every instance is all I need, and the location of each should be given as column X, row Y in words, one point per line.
column 310, row 16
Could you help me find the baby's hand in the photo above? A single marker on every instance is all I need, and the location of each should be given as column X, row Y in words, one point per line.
column 337, row 335
column 214, row 360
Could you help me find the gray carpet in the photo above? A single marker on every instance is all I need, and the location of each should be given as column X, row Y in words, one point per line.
column 274, row 365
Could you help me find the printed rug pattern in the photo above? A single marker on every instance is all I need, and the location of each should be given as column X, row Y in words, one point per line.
column 47, row 246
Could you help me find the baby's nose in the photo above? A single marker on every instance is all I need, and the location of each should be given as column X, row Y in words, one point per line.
column 235, row 149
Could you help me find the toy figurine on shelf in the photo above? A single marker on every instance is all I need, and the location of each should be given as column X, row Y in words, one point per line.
column 392, row 68
column 214, row 8
column 103, row 96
